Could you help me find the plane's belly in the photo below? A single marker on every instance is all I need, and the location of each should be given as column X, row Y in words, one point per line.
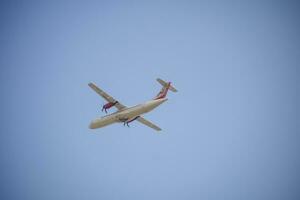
column 121, row 116
column 101, row 122
column 132, row 112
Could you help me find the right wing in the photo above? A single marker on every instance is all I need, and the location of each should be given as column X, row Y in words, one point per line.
column 148, row 123
column 107, row 97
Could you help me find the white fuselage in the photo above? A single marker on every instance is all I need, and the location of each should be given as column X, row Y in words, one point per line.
column 127, row 113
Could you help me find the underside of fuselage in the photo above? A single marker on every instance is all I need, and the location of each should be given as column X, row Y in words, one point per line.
column 127, row 114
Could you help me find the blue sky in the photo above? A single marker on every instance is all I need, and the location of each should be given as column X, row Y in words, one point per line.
column 231, row 132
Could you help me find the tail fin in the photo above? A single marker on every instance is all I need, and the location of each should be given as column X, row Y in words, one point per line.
column 166, row 86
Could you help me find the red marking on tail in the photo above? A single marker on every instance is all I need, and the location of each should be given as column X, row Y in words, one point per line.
column 163, row 92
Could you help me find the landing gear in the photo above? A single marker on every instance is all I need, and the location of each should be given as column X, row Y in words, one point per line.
column 126, row 122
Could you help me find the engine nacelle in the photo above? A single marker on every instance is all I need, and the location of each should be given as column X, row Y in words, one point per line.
column 130, row 120
column 108, row 106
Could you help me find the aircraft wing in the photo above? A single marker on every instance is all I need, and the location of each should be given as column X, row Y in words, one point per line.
column 107, row 97
column 148, row 123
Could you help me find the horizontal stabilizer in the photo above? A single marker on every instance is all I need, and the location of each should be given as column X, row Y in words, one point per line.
column 164, row 84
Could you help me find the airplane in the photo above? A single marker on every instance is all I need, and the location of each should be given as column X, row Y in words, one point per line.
column 127, row 115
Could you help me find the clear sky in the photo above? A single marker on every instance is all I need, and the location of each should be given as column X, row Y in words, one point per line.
column 231, row 132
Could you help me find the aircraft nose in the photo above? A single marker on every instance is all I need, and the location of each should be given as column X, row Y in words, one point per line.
column 91, row 126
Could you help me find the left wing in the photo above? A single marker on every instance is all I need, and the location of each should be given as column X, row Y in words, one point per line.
column 148, row 123
column 107, row 97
